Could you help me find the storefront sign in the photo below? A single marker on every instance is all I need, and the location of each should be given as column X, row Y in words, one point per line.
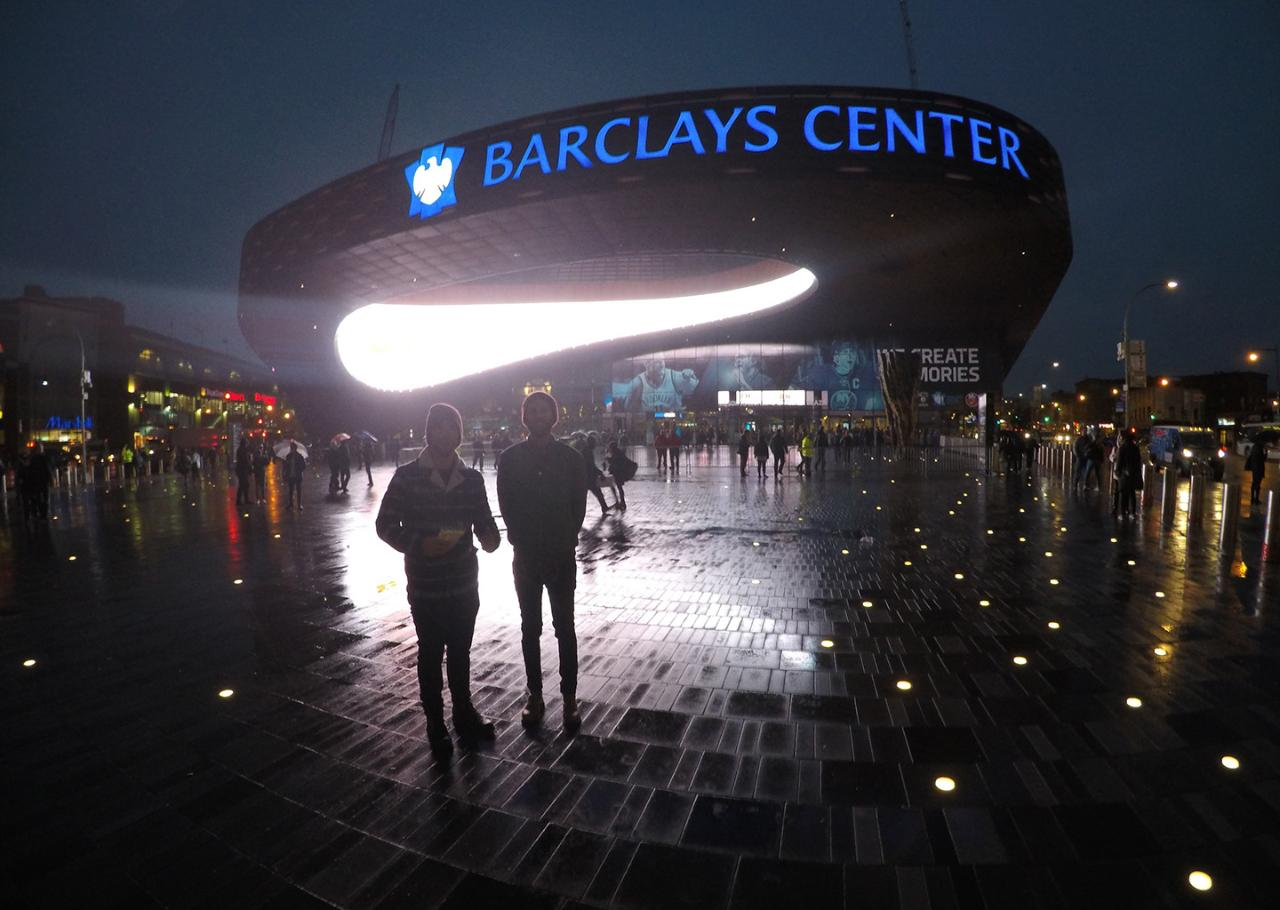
column 68, row 423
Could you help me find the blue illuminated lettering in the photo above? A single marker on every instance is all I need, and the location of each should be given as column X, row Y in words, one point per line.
column 1009, row 149
column 977, row 126
column 857, row 127
column 534, row 151
column 811, row 135
column 642, row 140
column 498, row 154
column 603, row 153
column 948, row 146
column 571, row 139
column 895, row 125
column 684, row 131
column 721, row 126
column 769, row 134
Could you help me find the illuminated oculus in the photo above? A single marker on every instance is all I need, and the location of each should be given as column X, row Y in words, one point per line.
column 382, row 345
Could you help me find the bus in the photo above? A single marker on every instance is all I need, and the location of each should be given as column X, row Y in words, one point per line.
column 1246, row 433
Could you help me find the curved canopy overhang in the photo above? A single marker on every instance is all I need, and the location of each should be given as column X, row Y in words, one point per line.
column 754, row 214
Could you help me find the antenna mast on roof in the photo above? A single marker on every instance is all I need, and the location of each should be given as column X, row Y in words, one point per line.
column 911, row 50
column 389, row 124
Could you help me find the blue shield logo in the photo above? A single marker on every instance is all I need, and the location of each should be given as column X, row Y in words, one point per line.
column 431, row 180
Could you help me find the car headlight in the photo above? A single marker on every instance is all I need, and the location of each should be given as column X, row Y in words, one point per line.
column 1186, row 453
column 1222, row 453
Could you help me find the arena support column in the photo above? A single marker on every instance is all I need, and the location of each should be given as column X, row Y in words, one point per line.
column 900, row 385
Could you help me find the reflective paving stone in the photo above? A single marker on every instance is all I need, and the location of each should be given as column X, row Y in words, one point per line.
column 809, row 721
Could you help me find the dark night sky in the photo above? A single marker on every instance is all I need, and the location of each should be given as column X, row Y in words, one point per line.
column 141, row 140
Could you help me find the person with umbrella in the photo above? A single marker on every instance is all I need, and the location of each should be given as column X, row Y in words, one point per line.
column 432, row 508
column 295, row 465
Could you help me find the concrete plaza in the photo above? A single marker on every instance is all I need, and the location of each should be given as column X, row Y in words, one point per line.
column 776, row 679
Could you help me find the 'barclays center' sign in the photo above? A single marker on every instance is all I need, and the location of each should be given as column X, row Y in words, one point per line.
column 900, row 131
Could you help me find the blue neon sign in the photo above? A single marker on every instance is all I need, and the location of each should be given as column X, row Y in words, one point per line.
column 853, row 130
column 431, row 179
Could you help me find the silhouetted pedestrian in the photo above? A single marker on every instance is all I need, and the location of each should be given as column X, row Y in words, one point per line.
column 429, row 513
column 778, row 446
column 761, row 447
column 542, row 492
column 244, row 472
column 261, row 458
column 366, row 458
column 1129, row 472
column 1256, row 463
column 621, row 469
column 294, row 469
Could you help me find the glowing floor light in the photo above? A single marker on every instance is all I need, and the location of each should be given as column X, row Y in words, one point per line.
column 399, row 347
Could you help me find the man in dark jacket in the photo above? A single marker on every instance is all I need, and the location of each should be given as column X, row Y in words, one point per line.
column 1256, row 463
column 244, row 472
column 429, row 512
column 542, row 493
column 294, row 469
column 778, row 445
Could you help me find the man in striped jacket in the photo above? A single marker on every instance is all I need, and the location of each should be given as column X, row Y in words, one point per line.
column 429, row 513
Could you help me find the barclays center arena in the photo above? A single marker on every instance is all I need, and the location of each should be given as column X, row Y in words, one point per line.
column 715, row 258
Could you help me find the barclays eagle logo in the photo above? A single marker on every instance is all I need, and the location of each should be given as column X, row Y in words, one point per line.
column 431, row 180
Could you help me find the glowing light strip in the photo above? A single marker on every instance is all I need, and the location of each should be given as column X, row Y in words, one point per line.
column 400, row 347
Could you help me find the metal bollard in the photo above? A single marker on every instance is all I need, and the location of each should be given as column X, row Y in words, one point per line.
column 1229, row 526
column 1068, row 466
column 1271, row 536
column 1148, row 484
column 1169, row 495
column 1195, row 500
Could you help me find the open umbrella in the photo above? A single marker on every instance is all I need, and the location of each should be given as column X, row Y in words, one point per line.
column 282, row 448
column 339, row 438
column 365, row 435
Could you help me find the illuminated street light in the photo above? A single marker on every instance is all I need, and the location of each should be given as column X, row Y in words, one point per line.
column 1170, row 285
column 1256, row 355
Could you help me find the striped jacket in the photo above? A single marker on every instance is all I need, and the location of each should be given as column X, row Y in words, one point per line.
column 420, row 503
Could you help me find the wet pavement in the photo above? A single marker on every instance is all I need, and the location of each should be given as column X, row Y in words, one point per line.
column 776, row 680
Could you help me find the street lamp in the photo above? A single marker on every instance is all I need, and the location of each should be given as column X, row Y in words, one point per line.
column 1169, row 285
column 1254, row 357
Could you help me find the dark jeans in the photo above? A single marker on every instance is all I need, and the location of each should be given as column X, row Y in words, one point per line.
column 558, row 573
column 777, row 465
column 1128, row 496
column 243, row 497
column 821, row 463
column 1255, row 488
column 295, row 486
column 762, row 466
column 742, row 463
column 445, row 626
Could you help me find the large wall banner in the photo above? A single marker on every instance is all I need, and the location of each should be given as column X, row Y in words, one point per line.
column 845, row 370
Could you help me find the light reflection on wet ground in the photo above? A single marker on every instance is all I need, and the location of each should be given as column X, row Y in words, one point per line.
column 742, row 642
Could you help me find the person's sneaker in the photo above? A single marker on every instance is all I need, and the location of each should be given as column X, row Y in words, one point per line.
column 533, row 711
column 471, row 726
column 572, row 719
column 438, row 739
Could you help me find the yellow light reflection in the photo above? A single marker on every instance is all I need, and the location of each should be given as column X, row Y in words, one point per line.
column 828, row 643
column 29, row 662
column 945, row 784
column 226, row 693
column 842, row 552
column 1230, row 762
column 1133, row 701
column 959, row 576
column 904, row 685
column 1159, row 594
column 238, row 581
column 1020, row 660
column 1053, row 581
column 984, row 603
column 1054, row 624
column 71, row 559
column 866, row 603
column 906, row 562
column 1160, row 651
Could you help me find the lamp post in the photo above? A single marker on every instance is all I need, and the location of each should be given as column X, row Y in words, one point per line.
column 1171, row 285
column 1254, row 357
